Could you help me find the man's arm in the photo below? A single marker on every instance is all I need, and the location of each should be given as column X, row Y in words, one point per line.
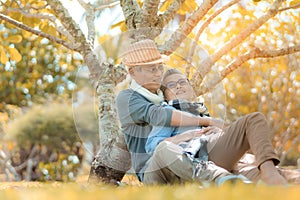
column 180, row 118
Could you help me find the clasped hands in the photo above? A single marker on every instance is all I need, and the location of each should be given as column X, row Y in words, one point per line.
column 215, row 126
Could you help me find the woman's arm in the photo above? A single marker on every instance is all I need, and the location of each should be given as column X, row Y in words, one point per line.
column 157, row 135
column 190, row 134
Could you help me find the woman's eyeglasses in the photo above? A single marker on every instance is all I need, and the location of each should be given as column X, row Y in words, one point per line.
column 173, row 84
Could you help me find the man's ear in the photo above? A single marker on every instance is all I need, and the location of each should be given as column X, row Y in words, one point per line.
column 131, row 71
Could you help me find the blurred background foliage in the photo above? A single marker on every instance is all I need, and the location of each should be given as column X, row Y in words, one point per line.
column 270, row 86
column 47, row 135
column 36, row 72
column 50, row 125
column 33, row 69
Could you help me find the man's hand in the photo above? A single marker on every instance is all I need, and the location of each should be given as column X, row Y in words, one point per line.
column 211, row 130
column 218, row 123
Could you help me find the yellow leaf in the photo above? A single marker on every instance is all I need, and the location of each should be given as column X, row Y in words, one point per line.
column 35, row 74
column 297, row 78
column 48, row 29
column 15, row 55
column 140, row 3
column 103, row 38
column 165, row 5
column 123, row 27
column 32, row 1
column 3, row 57
column 26, row 34
column 28, row 21
column 52, row 30
column 10, row 146
column 295, row 2
column 117, row 24
column 39, row 3
column 187, row 7
column 14, row 38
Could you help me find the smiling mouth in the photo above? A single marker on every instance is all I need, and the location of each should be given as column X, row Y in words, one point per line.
column 180, row 92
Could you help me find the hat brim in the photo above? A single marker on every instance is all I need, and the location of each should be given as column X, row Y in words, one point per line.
column 163, row 58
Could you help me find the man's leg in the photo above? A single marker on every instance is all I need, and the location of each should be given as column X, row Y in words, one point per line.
column 168, row 165
column 167, row 155
column 248, row 132
column 246, row 166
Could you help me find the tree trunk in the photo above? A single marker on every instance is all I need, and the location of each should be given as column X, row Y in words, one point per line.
column 113, row 159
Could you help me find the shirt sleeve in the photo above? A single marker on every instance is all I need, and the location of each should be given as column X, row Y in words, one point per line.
column 157, row 135
column 141, row 111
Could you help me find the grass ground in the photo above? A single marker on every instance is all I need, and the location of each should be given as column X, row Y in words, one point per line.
column 134, row 191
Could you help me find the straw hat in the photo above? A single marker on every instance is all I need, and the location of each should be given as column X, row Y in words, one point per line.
column 143, row 52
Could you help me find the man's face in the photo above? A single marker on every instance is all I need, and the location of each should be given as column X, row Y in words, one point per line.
column 148, row 76
column 178, row 87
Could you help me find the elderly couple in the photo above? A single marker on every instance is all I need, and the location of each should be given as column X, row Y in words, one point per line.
column 157, row 133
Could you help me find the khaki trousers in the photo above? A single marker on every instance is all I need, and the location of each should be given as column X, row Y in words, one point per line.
column 250, row 132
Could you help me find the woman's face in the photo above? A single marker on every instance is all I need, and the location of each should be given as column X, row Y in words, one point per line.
column 178, row 87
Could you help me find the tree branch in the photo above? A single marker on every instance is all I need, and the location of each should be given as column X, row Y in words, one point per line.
column 68, row 22
column 168, row 15
column 181, row 33
column 49, row 17
column 100, row 5
column 129, row 8
column 36, row 32
column 205, row 65
column 140, row 27
column 290, row 7
column 90, row 19
column 254, row 53
column 84, row 47
column 149, row 10
column 200, row 31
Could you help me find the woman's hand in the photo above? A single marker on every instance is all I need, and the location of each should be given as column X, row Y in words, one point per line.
column 185, row 136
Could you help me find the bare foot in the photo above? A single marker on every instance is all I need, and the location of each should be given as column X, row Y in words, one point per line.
column 291, row 175
column 270, row 175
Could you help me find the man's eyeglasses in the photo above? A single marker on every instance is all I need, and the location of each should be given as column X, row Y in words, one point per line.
column 153, row 68
column 173, row 84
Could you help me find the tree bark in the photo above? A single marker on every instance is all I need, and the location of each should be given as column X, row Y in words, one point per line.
column 113, row 159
